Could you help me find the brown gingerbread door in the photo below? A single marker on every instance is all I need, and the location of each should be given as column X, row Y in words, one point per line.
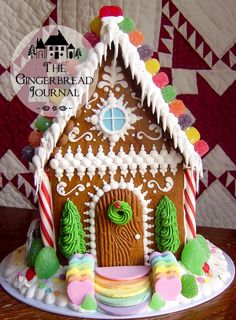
column 119, row 245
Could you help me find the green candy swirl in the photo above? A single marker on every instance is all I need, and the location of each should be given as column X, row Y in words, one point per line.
column 72, row 236
column 120, row 212
column 166, row 226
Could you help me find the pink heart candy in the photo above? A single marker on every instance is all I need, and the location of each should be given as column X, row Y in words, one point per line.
column 77, row 290
column 168, row 288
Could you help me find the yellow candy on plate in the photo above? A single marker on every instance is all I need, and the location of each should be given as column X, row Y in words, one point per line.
column 121, row 292
column 152, row 66
column 192, row 134
column 109, row 284
column 95, row 26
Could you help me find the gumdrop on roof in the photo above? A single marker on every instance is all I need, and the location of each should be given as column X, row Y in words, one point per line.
column 112, row 27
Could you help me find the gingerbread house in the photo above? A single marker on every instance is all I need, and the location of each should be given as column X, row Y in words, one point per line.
column 120, row 153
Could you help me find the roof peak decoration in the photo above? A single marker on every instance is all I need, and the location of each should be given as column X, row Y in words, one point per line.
column 112, row 28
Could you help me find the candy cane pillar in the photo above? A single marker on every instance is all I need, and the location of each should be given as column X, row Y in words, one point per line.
column 45, row 210
column 190, row 203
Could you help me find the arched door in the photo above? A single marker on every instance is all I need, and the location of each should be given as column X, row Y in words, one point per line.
column 119, row 245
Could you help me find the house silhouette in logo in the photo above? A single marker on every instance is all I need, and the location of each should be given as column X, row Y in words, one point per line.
column 55, row 47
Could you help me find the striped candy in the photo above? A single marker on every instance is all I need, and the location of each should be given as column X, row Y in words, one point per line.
column 190, row 203
column 45, row 210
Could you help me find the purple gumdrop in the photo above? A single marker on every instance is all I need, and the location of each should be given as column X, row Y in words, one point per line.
column 185, row 121
column 145, row 52
column 27, row 153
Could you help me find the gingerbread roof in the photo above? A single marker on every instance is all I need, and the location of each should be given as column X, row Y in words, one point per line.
column 157, row 98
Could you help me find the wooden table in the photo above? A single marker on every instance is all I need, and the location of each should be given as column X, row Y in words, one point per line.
column 13, row 228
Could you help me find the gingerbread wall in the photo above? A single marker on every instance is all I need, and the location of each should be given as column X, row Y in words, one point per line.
column 143, row 134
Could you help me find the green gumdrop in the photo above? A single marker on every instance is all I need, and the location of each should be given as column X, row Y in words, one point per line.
column 168, row 93
column 89, row 303
column 35, row 248
column 127, row 25
column 189, row 286
column 156, row 302
column 46, row 263
column 204, row 246
column 193, row 257
column 43, row 123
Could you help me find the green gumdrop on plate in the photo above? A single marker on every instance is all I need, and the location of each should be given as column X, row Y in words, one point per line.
column 127, row 25
column 189, row 286
column 193, row 257
column 156, row 302
column 43, row 123
column 46, row 263
column 168, row 93
column 34, row 250
column 89, row 303
column 204, row 246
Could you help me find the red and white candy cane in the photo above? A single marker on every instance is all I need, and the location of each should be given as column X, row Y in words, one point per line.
column 45, row 209
column 190, row 203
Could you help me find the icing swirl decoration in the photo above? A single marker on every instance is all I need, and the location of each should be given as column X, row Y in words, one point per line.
column 152, row 127
column 120, row 213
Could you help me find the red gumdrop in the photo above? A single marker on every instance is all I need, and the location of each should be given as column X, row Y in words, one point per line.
column 90, row 37
column 161, row 80
column 30, row 274
column 110, row 11
column 206, row 268
column 201, row 147
column 34, row 138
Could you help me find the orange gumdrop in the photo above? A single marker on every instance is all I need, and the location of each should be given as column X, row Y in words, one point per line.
column 177, row 107
column 34, row 138
column 136, row 38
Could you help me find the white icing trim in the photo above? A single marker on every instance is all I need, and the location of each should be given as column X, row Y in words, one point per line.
column 133, row 162
column 110, row 33
column 113, row 76
column 113, row 185
column 111, row 103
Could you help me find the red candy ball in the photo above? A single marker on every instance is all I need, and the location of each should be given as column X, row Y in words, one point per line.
column 110, row 11
column 30, row 274
column 117, row 205
column 206, row 268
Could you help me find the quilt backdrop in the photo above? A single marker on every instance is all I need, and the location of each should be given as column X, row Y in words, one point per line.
column 195, row 43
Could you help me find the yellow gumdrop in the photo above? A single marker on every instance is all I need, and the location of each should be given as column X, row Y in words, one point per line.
column 192, row 134
column 56, row 97
column 152, row 66
column 95, row 26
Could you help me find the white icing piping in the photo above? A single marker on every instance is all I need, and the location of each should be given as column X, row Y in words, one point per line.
column 137, row 190
column 110, row 33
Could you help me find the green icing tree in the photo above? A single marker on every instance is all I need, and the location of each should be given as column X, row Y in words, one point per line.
column 72, row 236
column 166, row 226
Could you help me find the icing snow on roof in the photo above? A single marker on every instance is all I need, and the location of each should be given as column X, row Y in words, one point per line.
column 111, row 34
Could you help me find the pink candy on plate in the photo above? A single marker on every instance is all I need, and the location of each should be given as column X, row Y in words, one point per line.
column 77, row 291
column 168, row 288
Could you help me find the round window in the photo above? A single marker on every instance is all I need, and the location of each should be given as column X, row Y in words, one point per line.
column 113, row 119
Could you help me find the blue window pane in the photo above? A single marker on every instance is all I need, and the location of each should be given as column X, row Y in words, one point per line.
column 108, row 124
column 118, row 124
column 107, row 114
column 117, row 113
